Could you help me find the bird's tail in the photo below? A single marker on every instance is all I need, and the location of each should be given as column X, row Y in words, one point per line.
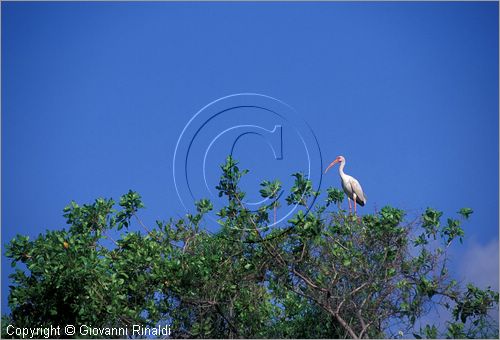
column 360, row 202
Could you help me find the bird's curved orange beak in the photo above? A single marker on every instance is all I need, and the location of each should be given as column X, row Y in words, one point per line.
column 332, row 164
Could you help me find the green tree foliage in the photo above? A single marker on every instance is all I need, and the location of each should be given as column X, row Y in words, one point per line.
column 325, row 274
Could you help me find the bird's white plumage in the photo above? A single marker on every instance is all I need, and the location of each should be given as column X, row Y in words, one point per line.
column 353, row 189
column 351, row 186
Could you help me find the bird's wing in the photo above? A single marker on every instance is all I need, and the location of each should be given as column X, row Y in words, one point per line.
column 356, row 188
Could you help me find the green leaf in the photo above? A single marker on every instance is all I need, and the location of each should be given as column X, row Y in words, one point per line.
column 465, row 212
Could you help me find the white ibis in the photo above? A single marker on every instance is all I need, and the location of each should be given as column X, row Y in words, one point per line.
column 351, row 186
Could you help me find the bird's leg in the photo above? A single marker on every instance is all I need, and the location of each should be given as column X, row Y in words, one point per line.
column 355, row 211
column 350, row 207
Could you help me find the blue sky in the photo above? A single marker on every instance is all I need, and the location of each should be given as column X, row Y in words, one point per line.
column 96, row 95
